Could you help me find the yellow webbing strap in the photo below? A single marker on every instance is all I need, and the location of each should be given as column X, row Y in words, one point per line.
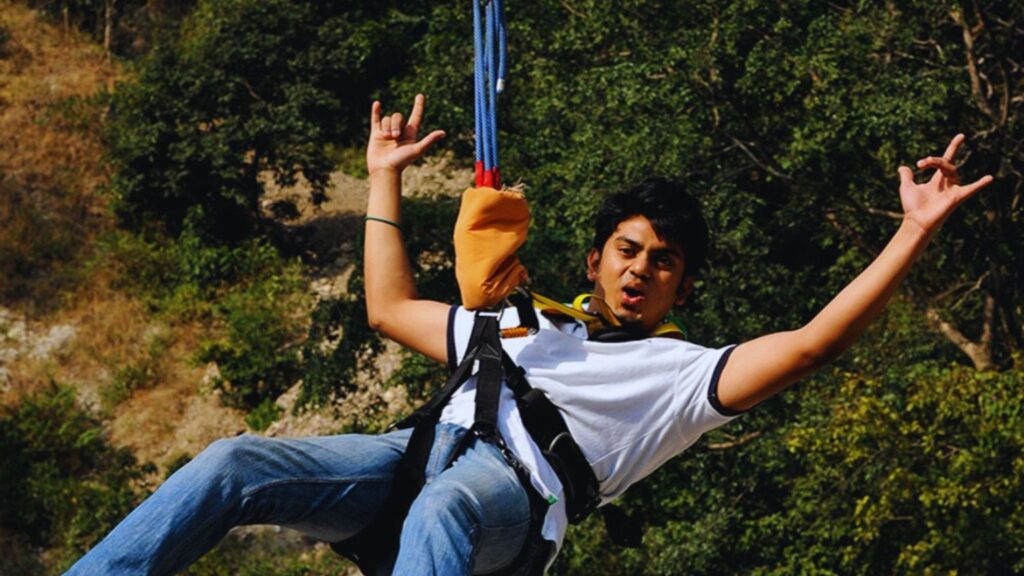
column 668, row 329
column 595, row 321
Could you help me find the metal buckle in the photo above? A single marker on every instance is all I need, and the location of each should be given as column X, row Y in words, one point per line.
column 493, row 314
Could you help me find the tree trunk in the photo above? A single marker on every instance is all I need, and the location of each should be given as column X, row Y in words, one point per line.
column 979, row 352
column 108, row 26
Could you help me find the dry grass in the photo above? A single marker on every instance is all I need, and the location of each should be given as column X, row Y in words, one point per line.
column 46, row 68
column 51, row 169
column 165, row 411
column 55, row 160
column 51, row 86
column 178, row 417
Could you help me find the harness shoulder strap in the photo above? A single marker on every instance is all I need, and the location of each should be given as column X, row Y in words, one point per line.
column 378, row 542
column 488, row 380
column 546, row 426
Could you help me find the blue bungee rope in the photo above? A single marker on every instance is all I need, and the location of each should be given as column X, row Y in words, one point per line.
column 490, row 48
column 478, row 90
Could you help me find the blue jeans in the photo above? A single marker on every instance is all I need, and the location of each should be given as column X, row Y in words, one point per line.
column 470, row 518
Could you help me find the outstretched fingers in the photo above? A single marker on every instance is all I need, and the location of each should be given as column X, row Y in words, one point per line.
column 429, row 140
column 967, row 190
column 416, row 118
column 954, row 145
column 393, row 141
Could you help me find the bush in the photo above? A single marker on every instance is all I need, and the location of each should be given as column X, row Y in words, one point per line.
column 175, row 463
column 76, row 114
column 64, row 485
column 264, row 415
column 420, row 376
column 917, row 476
column 140, row 373
column 339, row 339
column 257, row 354
column 182, row 277
column 261, row 554
column 248, row 88
column 248, row 293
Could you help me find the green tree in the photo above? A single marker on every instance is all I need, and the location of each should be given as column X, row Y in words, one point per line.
column 64, row 485
column 247, row 88
column 788, row 120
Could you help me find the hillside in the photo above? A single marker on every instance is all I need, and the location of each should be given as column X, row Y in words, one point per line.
column 65, row 314
column 53, row 88
column 66, row 322
column 159, row 290
column 51, row 82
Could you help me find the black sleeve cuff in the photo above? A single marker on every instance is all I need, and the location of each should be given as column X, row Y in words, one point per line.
column 453, row 355
column 713, row 387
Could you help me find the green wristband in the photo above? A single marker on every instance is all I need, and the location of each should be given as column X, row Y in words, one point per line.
column 384, row 220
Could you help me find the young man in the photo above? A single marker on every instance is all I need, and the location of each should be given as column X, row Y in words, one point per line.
column 629, row 405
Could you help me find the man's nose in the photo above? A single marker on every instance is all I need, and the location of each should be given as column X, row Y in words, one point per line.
column 639, row 268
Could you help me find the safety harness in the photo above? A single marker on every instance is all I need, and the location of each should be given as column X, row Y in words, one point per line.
column 378, row 542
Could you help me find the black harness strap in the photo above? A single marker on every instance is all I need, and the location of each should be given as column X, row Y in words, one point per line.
column 547, row 428
column 488, row 380
column 378, row 541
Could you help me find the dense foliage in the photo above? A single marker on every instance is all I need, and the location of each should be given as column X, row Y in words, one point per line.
column 246, row 88
column 64, row 485
column 788, row 120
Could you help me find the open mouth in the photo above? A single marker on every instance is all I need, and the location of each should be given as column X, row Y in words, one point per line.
column 632, row 296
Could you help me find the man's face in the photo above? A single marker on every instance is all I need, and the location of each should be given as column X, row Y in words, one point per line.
column 638, row 274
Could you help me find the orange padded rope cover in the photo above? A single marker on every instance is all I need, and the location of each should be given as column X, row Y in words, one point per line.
column 490, row 228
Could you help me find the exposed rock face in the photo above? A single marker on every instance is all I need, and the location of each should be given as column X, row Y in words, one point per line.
column 12, row 336
column 55, row 341
column 18, row 339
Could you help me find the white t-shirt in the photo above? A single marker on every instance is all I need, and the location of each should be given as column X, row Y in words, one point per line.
column 630, row 406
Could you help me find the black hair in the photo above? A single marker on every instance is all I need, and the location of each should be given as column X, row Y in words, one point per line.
column 675, row 215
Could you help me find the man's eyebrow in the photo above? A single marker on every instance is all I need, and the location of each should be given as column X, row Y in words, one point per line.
column 629, row 241
column 674, row 253
column 668, row 250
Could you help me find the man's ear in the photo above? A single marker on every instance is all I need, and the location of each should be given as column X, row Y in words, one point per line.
column 685, row 287
column 593, row 263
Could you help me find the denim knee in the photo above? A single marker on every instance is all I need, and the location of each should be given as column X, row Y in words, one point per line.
column 445, row 503
column 226, row 459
